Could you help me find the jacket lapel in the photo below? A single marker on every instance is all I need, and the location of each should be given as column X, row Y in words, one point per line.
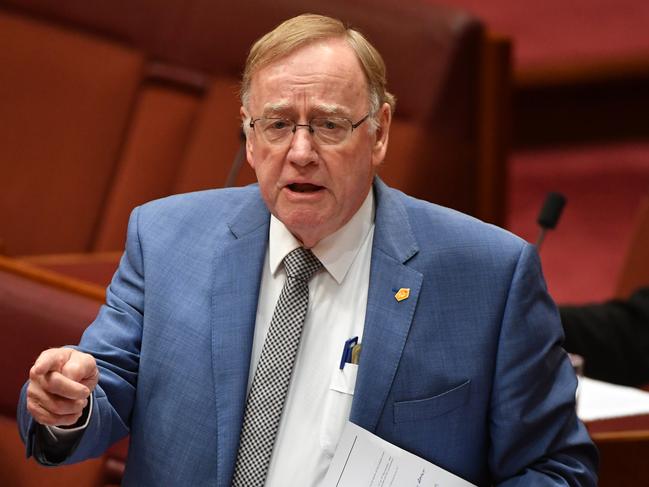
column 387, row 320
column 237, row 274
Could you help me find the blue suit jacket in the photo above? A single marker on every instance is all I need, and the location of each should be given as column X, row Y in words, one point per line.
column 468, row 372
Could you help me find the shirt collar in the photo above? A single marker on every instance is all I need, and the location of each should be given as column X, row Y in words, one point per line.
column 336, row 252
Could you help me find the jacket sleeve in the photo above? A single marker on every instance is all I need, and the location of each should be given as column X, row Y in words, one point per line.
column 613, row 338
column 114, row 340
column 536, row 437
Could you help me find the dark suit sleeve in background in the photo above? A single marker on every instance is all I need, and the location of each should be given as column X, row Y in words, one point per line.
column 613, row 338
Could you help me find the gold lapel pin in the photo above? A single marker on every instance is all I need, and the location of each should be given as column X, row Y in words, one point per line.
column 402, row 294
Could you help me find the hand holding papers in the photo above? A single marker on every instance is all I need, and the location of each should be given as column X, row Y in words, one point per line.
column 365, row 459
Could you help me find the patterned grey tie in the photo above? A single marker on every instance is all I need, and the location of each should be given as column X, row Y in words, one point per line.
column 273, row 374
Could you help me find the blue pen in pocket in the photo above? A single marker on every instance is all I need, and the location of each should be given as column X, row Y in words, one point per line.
column 347, row 352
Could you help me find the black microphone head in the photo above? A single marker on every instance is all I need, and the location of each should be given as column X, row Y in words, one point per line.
column 551, row 211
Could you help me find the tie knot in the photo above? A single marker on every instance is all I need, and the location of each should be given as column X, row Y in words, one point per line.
column 301, row 264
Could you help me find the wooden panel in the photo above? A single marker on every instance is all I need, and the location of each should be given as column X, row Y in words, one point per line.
column 635, row 270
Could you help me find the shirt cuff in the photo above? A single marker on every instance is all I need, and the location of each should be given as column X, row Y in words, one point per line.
column 57, row 433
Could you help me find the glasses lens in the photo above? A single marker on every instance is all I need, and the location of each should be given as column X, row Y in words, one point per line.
column 275, row 130
column 331, row 130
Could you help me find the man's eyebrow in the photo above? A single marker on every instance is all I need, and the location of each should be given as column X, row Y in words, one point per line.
column 330, row 109
column 275, row 107
column 283, row 106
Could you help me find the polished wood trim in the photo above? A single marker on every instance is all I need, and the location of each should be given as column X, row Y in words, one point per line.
column 72, row 258
column 494, row 128
column 620, row 436
column 623, row 429
column 586, row 71
column 30, row 271
column 635, row 268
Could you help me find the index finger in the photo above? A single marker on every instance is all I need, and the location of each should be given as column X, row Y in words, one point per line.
column 51, row 359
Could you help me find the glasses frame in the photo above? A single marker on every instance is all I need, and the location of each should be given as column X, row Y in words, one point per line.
column 296, row 125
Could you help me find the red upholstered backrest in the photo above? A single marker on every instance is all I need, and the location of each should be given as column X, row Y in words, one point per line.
column 51, row 317
column 65, row 100
column 180, row 141
column 216, row 137
column 160, row 126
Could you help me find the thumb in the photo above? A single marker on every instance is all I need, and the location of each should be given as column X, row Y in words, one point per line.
column 80, row 367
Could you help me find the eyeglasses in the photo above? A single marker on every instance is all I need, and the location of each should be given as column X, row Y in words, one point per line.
column 325, row 130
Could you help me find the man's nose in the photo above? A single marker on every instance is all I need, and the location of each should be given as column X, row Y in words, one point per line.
column 302, row 150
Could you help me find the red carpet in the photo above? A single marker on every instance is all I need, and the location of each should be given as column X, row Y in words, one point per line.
column 603, row 186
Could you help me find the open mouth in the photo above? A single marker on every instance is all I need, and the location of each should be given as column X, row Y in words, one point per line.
column 304, row 187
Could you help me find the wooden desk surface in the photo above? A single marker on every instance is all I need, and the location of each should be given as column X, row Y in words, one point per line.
column 631, row 428
column 623, row 445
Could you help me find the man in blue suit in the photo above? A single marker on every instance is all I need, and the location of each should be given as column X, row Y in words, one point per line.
column 460, row 360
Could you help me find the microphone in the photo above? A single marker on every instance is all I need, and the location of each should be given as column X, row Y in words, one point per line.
column 549, row 215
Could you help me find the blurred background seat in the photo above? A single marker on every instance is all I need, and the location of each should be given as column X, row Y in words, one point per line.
column 580, row 99
column 39, row 309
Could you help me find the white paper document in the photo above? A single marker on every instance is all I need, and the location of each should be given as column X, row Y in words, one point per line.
column 601, row 400
column 364, row 459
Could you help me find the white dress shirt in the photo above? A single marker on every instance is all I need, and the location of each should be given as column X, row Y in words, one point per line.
column 320, row 395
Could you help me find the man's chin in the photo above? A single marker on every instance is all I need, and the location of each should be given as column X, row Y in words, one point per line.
column 307, row 226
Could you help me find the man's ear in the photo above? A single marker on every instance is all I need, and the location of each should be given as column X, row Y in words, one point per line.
column 380, row 148
column 246, row 132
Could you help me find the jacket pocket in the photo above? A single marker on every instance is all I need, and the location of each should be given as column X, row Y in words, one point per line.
column 421, row 409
